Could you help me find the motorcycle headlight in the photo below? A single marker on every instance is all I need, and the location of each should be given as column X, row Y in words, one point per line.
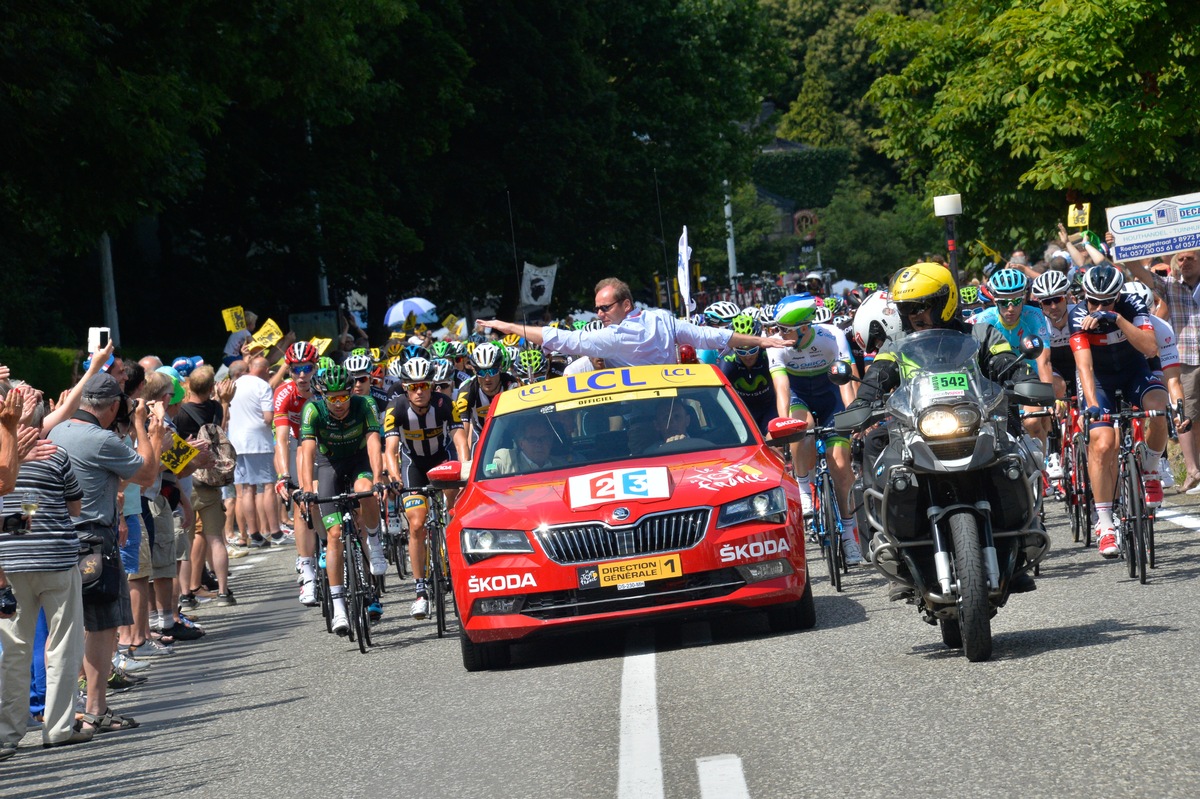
column 768, row 506
column 481, row 544
column 947, row 422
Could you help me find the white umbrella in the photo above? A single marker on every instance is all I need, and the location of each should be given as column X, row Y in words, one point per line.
column 425, row 311
column 842, row 286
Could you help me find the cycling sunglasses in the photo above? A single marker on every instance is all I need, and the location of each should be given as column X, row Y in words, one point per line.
column 747, row 351
column 418, row 386
column 302, row 368
column 1015, row 303
column 1053, row 300
column 492, row 371
column 361, row 378
column 1101, row 303
column 339, row 399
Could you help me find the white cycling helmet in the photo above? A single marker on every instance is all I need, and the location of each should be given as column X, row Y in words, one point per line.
column 442, row 370
column 823, row 315
column 1103, row 282
column 721, row 313
column 416, row 370
column 358, row 365
column 487, row 356
column 1050, row 284
column 876, row 321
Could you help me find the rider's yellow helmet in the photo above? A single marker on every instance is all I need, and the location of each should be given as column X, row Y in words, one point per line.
column 927, row 283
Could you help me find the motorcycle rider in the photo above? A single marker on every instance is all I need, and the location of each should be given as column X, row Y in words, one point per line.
column 926, row 298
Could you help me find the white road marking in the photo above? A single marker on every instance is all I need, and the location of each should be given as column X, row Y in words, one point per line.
column 721, row 777
column 1181, row 519
column 640, row 774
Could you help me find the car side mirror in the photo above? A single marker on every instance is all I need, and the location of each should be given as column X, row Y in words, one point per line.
column 784, row 430
column 452, row 474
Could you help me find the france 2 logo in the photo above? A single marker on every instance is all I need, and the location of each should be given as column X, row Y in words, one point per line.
column 619, row 484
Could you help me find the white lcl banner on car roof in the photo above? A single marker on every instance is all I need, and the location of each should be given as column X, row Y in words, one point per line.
column 616, row 485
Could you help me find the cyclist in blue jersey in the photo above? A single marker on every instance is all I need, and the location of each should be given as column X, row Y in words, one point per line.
column 1017, row 321
column 1112, row 336
column 719, row 314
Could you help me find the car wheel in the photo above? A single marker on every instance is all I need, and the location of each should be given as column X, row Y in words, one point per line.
column 800, row 615
column 482, row 657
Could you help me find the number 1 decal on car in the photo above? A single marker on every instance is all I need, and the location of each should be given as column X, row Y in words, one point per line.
column 617, row 485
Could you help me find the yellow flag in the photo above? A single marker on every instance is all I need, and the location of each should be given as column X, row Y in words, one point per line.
column 268, row 335
column 1077, row 216
column 450, row 321
column 989, row 252
column 235, row 319
column 321, row 344
column 179, row 454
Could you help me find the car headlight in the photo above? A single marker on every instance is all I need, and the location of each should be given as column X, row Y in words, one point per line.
column 946, row 422
column 482, row 544
column 769, row 506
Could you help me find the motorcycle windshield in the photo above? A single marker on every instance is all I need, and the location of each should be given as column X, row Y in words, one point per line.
column 939, row 366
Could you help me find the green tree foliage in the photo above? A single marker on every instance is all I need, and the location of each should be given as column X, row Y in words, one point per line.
column 807, row 177
column 866, row 235
column 1021, row 105
column 756, row 234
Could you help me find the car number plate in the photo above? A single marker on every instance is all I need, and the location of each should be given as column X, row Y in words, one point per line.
column 635, row 570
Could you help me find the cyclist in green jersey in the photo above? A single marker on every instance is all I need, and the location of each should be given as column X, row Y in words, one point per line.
column 340, row 446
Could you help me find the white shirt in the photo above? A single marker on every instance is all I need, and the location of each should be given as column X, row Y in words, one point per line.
column 248, row 433
column 233, row 345
column 645, row 337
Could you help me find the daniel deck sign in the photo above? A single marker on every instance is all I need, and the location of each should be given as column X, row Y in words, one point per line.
column 1157, row 227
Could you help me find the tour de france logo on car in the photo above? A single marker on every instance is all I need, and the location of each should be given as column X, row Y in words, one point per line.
column 597, row 488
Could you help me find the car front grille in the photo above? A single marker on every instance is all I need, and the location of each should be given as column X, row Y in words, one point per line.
column 596, row 541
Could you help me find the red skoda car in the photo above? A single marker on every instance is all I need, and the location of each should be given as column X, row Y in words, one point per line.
column 619, row 496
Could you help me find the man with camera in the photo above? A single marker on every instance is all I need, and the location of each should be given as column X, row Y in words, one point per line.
column 100, row 460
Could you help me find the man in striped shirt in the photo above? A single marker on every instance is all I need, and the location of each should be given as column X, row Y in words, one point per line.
column 39, row 559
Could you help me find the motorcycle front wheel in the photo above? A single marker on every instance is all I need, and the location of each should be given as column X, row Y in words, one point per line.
column 974, row 617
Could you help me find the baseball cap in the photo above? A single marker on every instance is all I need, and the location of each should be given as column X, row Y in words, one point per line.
column 102, row 387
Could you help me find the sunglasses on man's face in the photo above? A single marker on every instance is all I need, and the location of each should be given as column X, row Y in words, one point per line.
column 302, row 368
column 910, row 308
column 1101, row 303
column 337, row 399
column 490, row 372
column 605, row 308
column 1052, row 300
column 1018, row 302
column 418, row 387
column 362, row 378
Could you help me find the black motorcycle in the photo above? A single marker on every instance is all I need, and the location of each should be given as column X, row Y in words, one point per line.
column 951, row 486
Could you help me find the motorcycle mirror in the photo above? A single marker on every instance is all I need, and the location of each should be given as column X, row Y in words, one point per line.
column 1031, row 347
column 784, row 430
column 840, row 374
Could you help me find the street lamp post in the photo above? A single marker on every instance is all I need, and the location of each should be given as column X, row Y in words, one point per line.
column 949, row 206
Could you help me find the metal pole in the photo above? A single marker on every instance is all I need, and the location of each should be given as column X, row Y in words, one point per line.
column 729, row 239
column 952, row 248
column 109, row 289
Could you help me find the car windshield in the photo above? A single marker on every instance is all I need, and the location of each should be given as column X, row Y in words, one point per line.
column 613, row 427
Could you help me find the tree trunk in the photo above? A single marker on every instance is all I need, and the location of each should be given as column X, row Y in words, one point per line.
column 109, row 289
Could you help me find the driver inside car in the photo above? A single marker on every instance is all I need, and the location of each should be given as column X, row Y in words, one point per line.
column 535, row 442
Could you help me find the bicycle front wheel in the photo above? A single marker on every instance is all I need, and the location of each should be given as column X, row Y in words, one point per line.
column 829, row 520
column 1138, row 514
column 441, row 576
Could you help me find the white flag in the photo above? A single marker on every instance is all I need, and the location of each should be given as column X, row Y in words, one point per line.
column 537, row 284
column 684, row 274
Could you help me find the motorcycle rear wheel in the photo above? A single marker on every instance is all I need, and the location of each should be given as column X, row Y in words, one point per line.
column 974, row 616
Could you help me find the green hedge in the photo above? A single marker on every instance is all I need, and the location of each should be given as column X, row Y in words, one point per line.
column 809, row 177
column 52, row 369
